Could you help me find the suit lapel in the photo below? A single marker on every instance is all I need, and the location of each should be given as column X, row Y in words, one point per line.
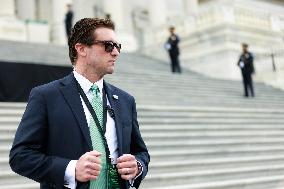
column 114, row 103
column 72, row 97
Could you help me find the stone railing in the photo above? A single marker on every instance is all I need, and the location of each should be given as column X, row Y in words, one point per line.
column 197, row 32
column 250, row 18
column 26, row 31
column 212, row 16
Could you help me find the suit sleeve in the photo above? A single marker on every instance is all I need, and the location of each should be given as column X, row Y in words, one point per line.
column 28, row 155
column 138, row 147
column 252, row 65
column 239, row 60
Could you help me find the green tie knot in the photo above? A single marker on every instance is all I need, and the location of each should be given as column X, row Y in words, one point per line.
column 95, row 90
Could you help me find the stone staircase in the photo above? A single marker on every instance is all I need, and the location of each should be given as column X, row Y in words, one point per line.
column 201, row 133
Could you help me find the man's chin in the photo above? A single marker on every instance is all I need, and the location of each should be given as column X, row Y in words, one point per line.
column 110, row 71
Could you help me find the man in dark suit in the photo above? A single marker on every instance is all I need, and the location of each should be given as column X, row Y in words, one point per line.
column 172, row 47
column 246, row 65
column 79, row 131
column 68, row 20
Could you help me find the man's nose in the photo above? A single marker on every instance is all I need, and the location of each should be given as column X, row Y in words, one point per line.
column 115, row 52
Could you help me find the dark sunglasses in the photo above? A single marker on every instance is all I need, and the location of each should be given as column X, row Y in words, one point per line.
column 109, row 45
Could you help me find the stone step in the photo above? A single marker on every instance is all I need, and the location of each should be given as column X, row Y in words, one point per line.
column 205, row 127
column 181, row 84
column 218, row 89
column 143, row 121
column 12, row 105
column 12, row 120
column 163, row 77
column 196, row 84
column 176, row 108
column 264, row 182
column 214, row 153
column 216, row 142
column 215, row 133
column 196, row 101
column 194, row 91
column 168, row 165
column 204, row 140
column 148, row 109
column 6, row 112
column 200, row 176
column 24, row 185
column 224, row 147
column 4, row 150
column 183, row 80
column 10, row 129
column 182, row 115
column 4, row 163
column 6, row 139
column 206, row 93
column 8, row 177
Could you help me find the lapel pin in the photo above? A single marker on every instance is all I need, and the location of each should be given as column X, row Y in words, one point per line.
column 115, row 97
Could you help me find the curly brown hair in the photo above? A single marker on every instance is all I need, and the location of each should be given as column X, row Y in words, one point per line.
column 83, row 32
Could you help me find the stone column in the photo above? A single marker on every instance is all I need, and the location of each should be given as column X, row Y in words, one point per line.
column 10, row 27
column 57, row 29
column 44, row 12
column 276, row 23
column 115, row 9
column 190, row 7
column 84, row 9
column 7, row 8
column 26, row 9
column 157, row 12
column 120, row 12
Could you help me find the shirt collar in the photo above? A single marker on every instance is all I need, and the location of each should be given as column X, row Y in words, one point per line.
column 86, row 84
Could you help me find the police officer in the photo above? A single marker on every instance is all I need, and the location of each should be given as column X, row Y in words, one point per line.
column 172, row 47
column 246, row 65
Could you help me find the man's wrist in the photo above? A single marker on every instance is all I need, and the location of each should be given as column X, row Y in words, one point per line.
column 139, row 167
column 69, row 177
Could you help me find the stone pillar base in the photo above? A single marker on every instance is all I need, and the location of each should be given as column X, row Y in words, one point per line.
column 12, row 29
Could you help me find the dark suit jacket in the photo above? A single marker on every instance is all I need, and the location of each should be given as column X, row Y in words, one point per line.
column 54, row 131
column 247, row 59
column 68, row 22
column 174, row 50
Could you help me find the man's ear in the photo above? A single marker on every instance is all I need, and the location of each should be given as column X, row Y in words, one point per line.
column 81, row 49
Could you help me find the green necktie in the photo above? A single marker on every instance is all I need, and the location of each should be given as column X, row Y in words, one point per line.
column 97, row 140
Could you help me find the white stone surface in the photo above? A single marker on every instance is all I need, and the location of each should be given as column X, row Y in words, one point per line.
column 190, row 7
column 12, row 29
column 37, row 32
column 26, row 9
column 7, row 8
column 57, row 29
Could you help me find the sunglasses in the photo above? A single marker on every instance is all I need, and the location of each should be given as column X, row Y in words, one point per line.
column 109, row 45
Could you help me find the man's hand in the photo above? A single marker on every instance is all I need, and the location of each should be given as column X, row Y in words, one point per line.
column 127, row 166
column 88, row 166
